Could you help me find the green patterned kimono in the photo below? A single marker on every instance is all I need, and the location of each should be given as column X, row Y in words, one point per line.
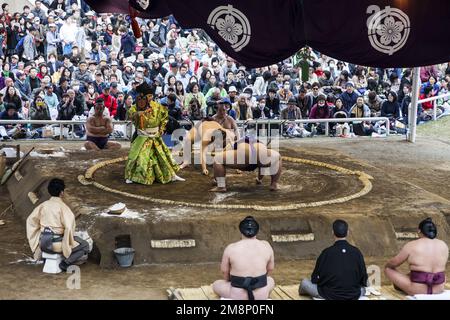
column 149, row 158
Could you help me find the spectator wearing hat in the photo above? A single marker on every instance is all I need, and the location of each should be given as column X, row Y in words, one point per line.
column 172, row 103
column 140, row 75
column 228, row 107
column 40, row 34
column 128, row 73
column 349, row 96
column 9, row 130
column 364, row 128
column 232, row 94
column 243, row 108
column 115, row 89
column 132, row 91
column 373, row 101
column 117, row 72
column 66, row 108
column 14, row 62
column 50, row 98
column 292, row 112
column 320, row 111
column 110, row 101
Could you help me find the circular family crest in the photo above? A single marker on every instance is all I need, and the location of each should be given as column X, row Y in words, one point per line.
column 143, row 3
column 232, row 25
column 389, row 30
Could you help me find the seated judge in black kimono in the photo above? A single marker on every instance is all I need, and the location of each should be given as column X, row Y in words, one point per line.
column 340, row 272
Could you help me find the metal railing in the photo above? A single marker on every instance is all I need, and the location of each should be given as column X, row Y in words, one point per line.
column 241, row 124
column 434, row 99
column 412, row 115
column 315, row 121
column 62, row 123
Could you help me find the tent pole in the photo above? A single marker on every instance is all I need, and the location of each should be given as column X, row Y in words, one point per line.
column 414, row 105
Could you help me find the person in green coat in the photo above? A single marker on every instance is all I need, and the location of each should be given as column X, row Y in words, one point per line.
column 149, row 159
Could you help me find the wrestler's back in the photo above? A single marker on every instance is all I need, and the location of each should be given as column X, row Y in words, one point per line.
column 249, row 258
column 428, row 255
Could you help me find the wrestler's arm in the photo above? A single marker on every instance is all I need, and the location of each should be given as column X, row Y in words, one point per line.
column 206, row 139
column 271, row 262
column 203, row 158
column 109, row 127
column 400, row 258
column 225, row 264
column 91, row 128
column 187, row 146
column 235, row 128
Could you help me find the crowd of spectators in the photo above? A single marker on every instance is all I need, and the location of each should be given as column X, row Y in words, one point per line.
column 57, row 57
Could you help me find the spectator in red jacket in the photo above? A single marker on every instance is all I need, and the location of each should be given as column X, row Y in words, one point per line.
column 110, row 101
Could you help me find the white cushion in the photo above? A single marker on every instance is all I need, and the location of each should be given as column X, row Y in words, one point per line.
column 52, row 262
column 54, row 256
column 442, row 296
column 360, row 298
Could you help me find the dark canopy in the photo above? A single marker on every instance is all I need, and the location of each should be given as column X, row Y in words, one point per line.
column 381, row 33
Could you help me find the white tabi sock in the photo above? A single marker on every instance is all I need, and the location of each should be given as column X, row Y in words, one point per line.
column 177, row 178
column 220, row 182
